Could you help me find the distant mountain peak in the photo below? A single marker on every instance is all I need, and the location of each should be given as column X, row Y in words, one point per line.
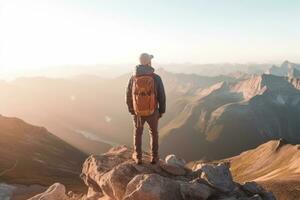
column 287, row 68
column 258, row 84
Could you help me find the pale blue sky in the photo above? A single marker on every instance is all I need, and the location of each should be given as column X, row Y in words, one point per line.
column 39, row 33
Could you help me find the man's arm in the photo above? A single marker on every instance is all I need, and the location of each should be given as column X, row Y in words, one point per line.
column 161, row 96
column 129, row 100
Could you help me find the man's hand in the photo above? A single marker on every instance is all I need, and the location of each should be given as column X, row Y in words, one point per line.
column 160, row 115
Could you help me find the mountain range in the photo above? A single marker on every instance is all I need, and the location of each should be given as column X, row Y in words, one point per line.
column 228, row 118
column 248, row 120
column 87, row 111
column 233, row 112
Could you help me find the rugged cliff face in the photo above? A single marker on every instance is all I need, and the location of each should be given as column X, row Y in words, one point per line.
column 114, row 176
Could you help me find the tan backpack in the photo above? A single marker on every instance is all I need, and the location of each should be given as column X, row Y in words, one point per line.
column 144, row 95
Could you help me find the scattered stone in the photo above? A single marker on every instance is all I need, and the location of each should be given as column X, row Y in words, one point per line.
column 174, row 161
column 252, row 188
column 218, row 176
column 174, row 166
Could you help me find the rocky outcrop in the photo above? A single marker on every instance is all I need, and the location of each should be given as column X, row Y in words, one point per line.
column 115, row 176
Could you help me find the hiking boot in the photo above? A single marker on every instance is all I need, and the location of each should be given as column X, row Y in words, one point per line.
column 154, row 160
column 137, row 159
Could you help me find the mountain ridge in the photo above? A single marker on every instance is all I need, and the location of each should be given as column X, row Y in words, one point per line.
column 32, row 155
column 274, row 164
column 260, row 108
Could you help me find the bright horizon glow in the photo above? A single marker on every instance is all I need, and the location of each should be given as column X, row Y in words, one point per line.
column 36, row 34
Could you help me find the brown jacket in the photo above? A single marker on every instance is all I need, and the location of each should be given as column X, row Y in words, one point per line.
column 161, row 96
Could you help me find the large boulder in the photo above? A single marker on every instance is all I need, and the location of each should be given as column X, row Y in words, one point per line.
column 174, row 166
column 114, row 182
column 111, row 172
column 152, row 187
column 173, row 160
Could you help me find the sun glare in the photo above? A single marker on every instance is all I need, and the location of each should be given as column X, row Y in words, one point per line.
column 44, row 35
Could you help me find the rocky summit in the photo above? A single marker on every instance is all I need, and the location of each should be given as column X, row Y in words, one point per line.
column 114, row 176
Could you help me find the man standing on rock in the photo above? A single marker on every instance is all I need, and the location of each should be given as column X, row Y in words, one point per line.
column 146, row 101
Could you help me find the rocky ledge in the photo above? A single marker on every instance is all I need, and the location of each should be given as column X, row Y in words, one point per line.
column 114, row 176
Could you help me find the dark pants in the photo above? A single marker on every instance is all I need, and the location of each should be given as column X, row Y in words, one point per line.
column 152, row 122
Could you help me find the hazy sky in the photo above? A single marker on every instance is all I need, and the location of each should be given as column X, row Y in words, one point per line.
column 39, row 33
